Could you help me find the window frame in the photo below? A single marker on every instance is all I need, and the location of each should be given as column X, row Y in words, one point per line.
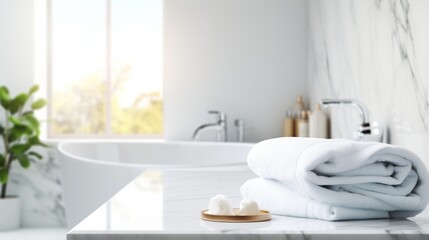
column 108, row 134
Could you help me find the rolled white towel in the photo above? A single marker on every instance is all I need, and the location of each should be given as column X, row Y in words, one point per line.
column 345, row 173
column 248, row 207
column 220, row 205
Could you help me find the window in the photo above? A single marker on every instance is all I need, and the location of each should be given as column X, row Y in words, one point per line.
column 104, row 62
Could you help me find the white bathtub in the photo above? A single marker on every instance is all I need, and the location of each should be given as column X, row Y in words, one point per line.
column 93, row 171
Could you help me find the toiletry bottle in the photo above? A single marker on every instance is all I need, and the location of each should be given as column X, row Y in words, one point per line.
column 318, row 122
column 297, row 109
column 303, row 124
column 288, row 129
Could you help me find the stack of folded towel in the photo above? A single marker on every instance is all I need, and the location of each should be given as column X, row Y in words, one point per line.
column 336, row 179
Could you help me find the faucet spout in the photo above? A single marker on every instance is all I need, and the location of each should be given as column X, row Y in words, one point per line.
column 208, row 126
column 367, row 131
column 363, row 111
column 219, row 127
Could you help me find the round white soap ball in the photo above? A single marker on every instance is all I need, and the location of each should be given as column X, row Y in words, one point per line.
column 220, row 205
column 248, row 207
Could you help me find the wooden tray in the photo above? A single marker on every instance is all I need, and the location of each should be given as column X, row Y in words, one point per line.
column 263, row 215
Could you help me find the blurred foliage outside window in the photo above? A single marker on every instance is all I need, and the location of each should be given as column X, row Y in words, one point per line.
column 82, row 109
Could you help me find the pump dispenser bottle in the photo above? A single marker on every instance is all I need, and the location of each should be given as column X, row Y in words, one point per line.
column 297, row 109
column 318, row 122
column 303, row 124
column 288, row 129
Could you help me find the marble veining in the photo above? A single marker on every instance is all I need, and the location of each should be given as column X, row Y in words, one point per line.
column 167, row 204
column 375, row 51
column 39, row 189
column 403, row 35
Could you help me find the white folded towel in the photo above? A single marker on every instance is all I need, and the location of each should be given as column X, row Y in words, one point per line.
column 340, row 174
column 281, row 199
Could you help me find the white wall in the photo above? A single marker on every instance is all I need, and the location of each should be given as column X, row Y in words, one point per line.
column 16, row 44
column 243, row 57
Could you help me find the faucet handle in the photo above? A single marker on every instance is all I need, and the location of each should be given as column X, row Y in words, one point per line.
column 221, row 115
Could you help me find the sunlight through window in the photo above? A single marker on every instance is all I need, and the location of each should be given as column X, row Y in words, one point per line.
column 105, row 68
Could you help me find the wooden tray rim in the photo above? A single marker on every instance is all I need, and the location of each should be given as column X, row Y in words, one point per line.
column 263, row 216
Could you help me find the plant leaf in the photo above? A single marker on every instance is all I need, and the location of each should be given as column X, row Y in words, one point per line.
column 18, row 102
column 21, row 129
column 38, row 104
column 23, row 160
column 14, row 120
column 13, row 107
column 28, row 112
column 13, row 136
column 20, row 148
column 32, row 122
column 33, row 89
column 3, row 175
column 26, row 124
column 35, row 141
column 4, row 89
column 21, row 99
column 2, row 160
column 17, row 133
column 37, row 155
column 4, row 97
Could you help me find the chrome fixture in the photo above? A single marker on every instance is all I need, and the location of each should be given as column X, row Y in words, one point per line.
column 363, row 111
column 367, row 131
column 239, row 124
column 219, row 127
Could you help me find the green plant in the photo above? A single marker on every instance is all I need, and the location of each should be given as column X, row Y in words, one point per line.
column 20, row 132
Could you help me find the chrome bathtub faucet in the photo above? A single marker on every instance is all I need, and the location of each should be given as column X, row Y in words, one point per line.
column 219, row 127
column 367, row 131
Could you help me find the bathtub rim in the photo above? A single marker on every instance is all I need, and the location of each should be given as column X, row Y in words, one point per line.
column 61, row 150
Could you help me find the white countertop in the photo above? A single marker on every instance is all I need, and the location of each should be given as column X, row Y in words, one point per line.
column 163, row 204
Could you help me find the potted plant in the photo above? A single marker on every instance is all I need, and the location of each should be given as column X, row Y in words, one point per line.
column 19, row 131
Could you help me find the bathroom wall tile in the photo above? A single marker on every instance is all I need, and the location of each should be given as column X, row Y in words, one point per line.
column 375, row 51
